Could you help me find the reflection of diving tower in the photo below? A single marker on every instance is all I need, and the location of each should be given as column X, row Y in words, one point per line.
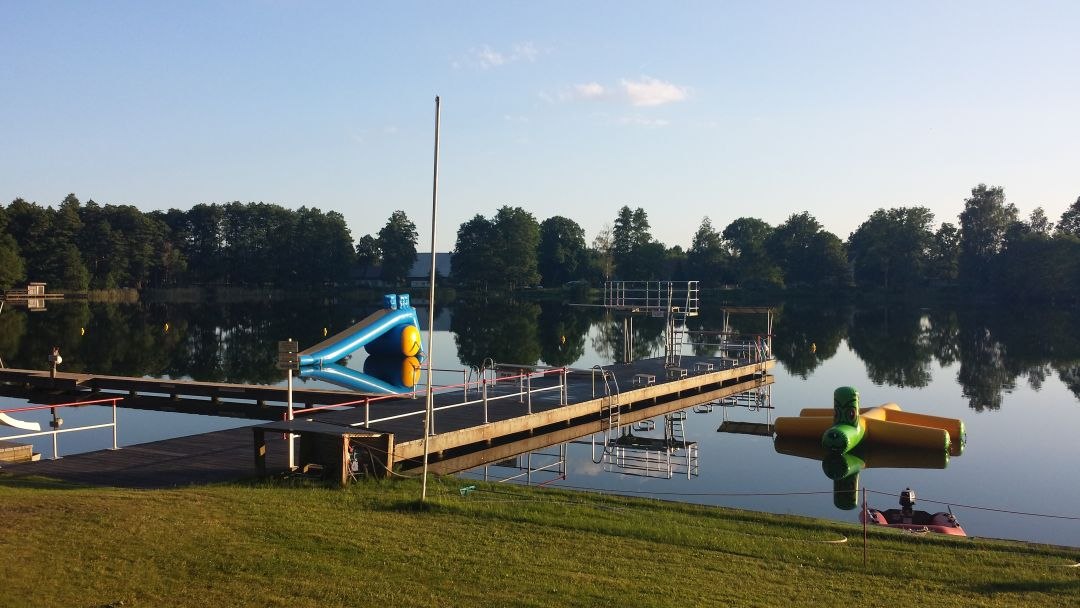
column 645, row 456
column 674, row 301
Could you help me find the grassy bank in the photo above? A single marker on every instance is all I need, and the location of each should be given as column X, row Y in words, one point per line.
column 374, row 545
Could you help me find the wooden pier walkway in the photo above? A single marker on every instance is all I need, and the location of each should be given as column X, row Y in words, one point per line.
column 174, row 389
column 468, row 430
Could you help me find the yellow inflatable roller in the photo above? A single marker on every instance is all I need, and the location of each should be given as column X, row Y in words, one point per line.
column 893, row 413
column 812, row 422
column 805, row 427
column 885, row 432
column 885, row 424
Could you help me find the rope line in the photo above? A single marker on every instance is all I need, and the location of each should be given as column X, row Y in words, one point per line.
column 648, row 493
column 1010, row 512
column 750, row 494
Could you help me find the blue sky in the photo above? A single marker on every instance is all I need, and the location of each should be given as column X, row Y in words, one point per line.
column 686, row 109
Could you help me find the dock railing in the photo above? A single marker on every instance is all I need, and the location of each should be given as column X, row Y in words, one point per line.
column 658, row 297
column 57, row 430
column 524, row 394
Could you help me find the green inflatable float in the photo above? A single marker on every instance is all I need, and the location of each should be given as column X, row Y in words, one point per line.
column 848, row 427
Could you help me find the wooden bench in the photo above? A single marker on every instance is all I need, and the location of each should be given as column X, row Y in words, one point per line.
column 676, row 372
column 644, row 379
column 703, row 366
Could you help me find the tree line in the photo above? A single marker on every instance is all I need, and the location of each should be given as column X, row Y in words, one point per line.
column 991, row 249
column 77, row 246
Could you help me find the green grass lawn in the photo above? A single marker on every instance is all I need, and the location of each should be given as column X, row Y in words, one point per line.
column 374, row 544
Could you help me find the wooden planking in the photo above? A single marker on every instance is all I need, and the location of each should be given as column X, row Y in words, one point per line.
column 466, row 459
column 205, row 458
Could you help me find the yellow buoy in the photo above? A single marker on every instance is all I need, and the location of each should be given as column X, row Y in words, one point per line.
column 410, row 340
column 166, row 327
column 324, row 331
column 82, row 331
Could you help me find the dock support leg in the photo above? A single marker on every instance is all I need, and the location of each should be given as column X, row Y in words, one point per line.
column 260, row 452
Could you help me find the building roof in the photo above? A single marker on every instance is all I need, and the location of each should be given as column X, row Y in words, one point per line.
column 421, row 268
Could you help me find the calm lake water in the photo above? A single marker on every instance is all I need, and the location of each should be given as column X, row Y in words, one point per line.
column 1012, row 376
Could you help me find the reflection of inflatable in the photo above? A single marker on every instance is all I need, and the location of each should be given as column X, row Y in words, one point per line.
column 844, row 469
column 19, row 424
column 385, row 375
column 907, row 518
column 847, row 426
column 393, row 330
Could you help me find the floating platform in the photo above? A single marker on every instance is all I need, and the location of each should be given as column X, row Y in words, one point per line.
column 746, row 428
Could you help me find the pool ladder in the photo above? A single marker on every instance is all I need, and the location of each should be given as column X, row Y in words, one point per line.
column 610, row 417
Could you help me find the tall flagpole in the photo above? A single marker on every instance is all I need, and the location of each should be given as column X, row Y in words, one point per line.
column 431, row 303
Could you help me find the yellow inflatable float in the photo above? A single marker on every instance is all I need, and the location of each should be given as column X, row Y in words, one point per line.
column 846, row 425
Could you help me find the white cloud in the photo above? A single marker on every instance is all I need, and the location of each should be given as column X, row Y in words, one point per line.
column 489, row 57
column 526, row 51
column 652, row 92
column 589, row 90
column 644, row 92
column 486, row 57
column 638, row 120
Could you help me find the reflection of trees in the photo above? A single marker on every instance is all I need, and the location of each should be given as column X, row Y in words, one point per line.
column 504, row 330
column 562, row 331
column 1070, row 377
column 894, row 344
column 608, row 337
column 798, row 325
column 236, row 342
column 999, row 345
column 982, row 374
column 941, row 333
column 12, row 329
column 59, row 325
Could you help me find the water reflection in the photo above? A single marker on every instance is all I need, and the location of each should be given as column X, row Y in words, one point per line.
column 505, row 331
column 991, row 349
column 807, row 334
column 844, row 469
column 646, row 337
column 562, row 333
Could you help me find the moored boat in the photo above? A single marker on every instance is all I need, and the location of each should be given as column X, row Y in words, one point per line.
column 907, row 518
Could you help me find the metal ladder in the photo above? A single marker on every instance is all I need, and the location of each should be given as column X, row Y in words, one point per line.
column 676, row 428
column 676, row 432
column 678, row 310
column 610, row 416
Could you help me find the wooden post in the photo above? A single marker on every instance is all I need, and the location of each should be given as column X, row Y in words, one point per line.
column 260, row 452
column 864, row 517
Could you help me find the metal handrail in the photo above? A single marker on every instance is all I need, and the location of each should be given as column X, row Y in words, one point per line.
column 55, row 432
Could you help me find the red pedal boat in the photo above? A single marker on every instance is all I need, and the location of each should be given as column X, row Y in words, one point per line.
column 907, row 518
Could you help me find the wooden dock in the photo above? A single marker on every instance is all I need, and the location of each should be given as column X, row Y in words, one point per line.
column 173, row 389
column 524, row 409
column 220, row 456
